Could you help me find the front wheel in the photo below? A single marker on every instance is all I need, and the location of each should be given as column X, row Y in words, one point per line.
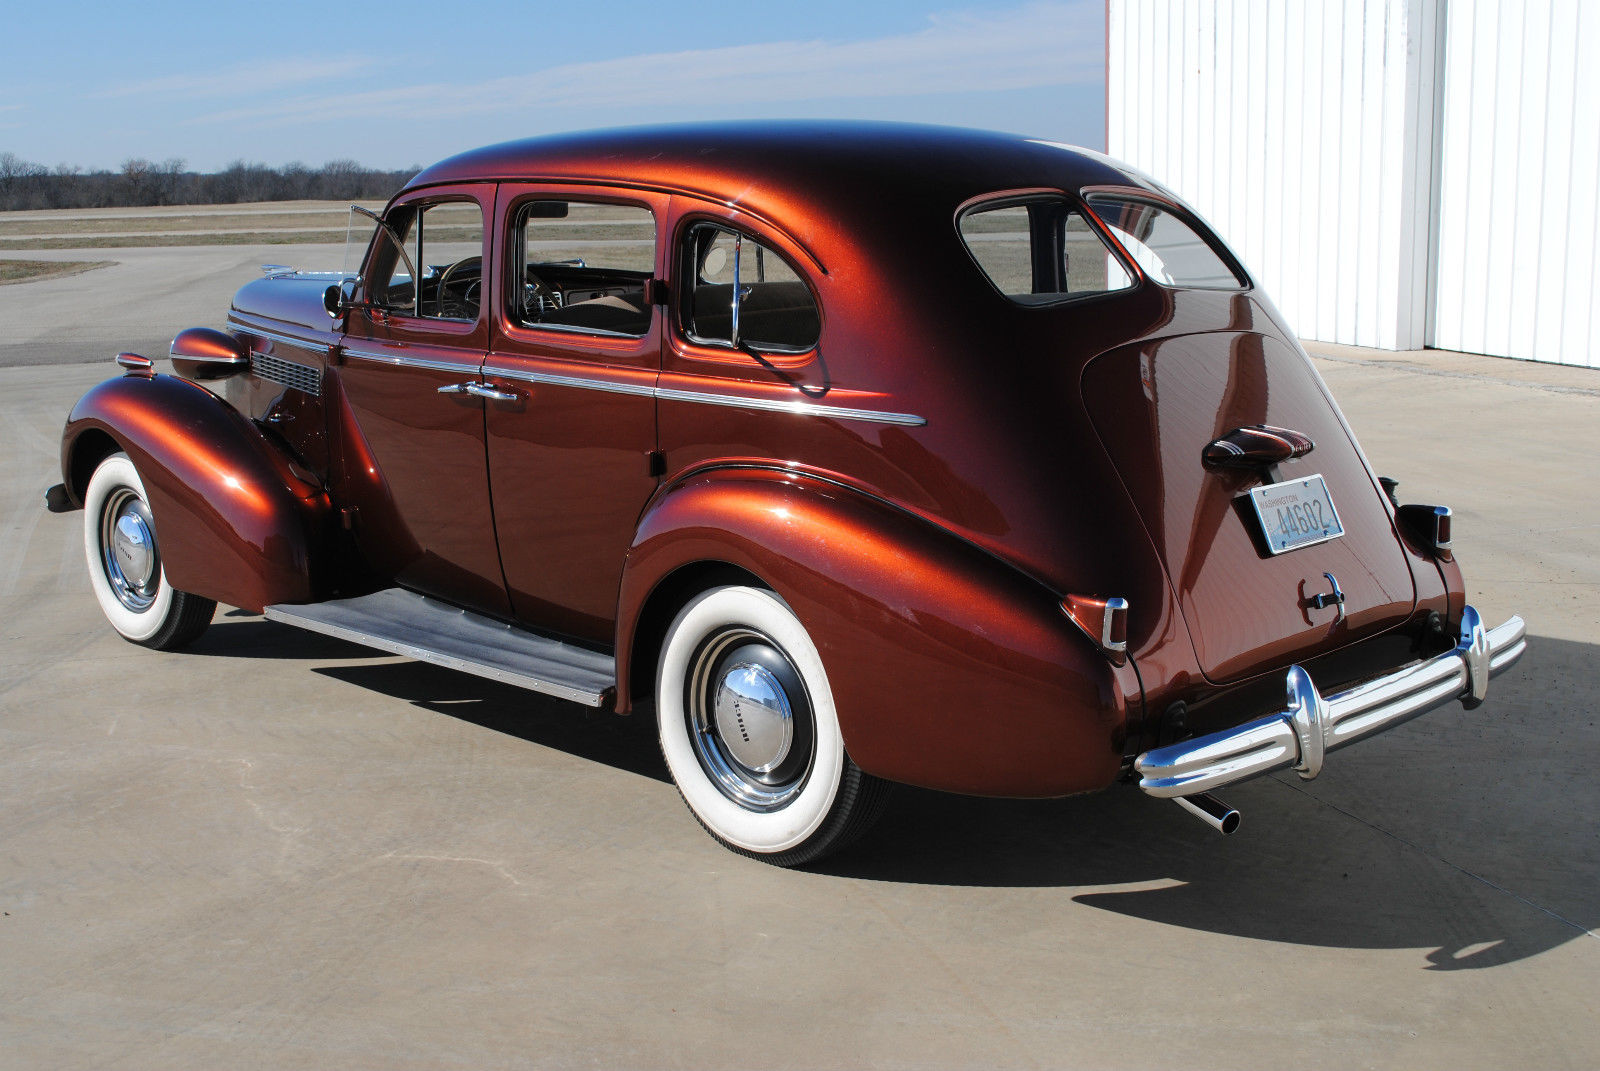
column 749, row 732
column 124, row 559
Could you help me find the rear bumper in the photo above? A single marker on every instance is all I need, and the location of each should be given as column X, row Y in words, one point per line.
column 1310, row 725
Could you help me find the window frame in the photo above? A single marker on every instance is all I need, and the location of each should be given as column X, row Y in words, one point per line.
column 515, row 237
column 380, row 260
column 1012, row 198
column 687, row 276
column 1246, row 282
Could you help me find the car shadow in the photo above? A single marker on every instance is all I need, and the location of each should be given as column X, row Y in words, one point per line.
column 1466, row 835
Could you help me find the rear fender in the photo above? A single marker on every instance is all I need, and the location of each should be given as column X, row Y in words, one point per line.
column 949, row 668
column 236, row 521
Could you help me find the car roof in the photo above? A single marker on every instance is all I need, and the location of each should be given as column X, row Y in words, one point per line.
column 772, row 165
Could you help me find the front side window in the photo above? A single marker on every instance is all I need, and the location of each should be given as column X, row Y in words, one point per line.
column 1039, row 250
column 585, row 266
column 437, row 271
column 743, row 293
column 1166, row 248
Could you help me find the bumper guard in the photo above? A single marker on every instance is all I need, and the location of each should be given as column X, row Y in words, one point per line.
column 1310, row 725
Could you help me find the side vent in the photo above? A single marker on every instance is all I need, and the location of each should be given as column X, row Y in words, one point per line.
column 299, row 376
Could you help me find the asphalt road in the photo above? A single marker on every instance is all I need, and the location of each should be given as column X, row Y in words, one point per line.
column 280, row 850
column 137, row 303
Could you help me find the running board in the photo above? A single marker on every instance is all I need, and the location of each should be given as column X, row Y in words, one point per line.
column 405, row 623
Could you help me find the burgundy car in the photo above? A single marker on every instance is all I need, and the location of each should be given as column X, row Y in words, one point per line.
column 853, row 453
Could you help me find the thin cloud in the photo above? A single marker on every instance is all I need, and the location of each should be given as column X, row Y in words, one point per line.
column 1033, row 46
column 232, row 82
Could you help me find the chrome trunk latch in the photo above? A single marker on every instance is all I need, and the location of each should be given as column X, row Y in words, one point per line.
column 1333, row 598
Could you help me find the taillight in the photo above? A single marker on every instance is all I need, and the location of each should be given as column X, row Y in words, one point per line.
column 1428, row 526
column 1104, row 621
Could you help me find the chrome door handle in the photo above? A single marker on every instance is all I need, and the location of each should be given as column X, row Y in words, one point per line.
column 483, row 390
column 480, row 390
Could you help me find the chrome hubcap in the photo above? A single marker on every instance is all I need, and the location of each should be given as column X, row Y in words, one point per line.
column 753, row 718
column 128, row 549
column 750, row 719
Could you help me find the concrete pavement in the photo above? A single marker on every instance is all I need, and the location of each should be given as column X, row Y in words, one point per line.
column 280, row 850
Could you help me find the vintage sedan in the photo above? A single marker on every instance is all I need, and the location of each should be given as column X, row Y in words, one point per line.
column 853, row 453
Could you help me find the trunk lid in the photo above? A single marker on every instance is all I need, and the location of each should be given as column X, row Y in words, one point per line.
column 1155, row 406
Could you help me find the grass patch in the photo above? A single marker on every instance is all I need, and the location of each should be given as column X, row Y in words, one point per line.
column 123, row 241
column 27, row 271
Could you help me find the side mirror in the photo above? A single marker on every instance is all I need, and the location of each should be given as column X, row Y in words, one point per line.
column 338, row 298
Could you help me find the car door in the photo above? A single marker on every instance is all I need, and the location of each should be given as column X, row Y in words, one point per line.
column 571, row 433
column 414, row 470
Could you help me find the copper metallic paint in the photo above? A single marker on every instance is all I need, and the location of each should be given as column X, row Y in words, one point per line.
column 1061, row 453
column 569, row 466
column 949, row 668
column 235, row 522
column 204, row 353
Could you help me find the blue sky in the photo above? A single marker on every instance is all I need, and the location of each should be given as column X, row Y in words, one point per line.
column 400, row 84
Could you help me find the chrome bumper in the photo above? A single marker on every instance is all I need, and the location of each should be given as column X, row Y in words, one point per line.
column 1310, row 726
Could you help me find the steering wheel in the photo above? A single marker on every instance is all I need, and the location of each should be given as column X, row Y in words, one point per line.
column 537, row 297
column 469, row 306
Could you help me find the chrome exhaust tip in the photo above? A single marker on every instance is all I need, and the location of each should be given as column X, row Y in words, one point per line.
column 1210, row 810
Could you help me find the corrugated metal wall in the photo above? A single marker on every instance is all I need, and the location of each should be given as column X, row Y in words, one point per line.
column 1519, row 181
column 1333, row 144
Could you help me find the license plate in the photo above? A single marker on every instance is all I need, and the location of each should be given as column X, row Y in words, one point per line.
column 1296, row 513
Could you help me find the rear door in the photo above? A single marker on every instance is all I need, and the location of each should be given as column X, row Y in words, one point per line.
column 576, row 354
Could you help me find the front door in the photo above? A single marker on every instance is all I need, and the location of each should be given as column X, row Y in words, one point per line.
column 576, row 352
column 414, row 470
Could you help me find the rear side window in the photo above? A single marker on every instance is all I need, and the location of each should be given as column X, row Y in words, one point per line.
column 743, row 293
column 1166, row 248
column 1039, row 250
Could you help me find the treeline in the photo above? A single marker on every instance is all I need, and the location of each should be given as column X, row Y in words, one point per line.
column 145, row 182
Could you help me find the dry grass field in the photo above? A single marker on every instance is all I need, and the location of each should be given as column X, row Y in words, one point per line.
column 272, row 223
column 28, row 271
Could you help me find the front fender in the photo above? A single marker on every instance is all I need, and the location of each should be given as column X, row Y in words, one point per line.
column 235, row 521
column 949, row 668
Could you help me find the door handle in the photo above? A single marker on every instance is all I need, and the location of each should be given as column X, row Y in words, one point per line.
column 481, row 390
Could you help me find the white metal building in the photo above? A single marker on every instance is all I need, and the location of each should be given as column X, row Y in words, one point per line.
column 1396, row 173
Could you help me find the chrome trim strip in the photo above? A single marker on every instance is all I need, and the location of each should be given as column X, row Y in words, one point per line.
column 798, row 408
column 674, row 394
column 555, row 380
column 303, row 343
column 411, row 362
column 1310, row 725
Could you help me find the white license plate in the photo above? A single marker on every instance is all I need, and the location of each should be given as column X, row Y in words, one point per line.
column 1296, row 513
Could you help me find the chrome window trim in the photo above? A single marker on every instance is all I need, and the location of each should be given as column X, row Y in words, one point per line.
column 574, row 329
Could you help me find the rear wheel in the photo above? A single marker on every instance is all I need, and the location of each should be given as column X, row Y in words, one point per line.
column 124, row 559
column 749, row 732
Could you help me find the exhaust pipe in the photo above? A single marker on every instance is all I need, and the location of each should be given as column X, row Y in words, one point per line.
column 1210, row 810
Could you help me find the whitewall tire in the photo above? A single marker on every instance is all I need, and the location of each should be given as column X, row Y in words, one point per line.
column 124, row 560
column 749, row 732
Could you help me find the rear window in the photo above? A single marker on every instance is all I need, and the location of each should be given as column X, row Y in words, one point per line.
column 1039, row 250
column 1166, row 248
